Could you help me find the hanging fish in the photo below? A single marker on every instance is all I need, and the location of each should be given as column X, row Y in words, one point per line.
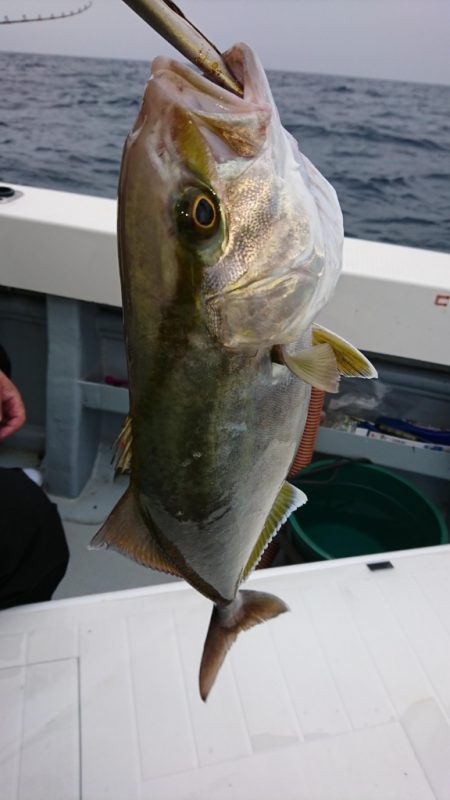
column 230, row 242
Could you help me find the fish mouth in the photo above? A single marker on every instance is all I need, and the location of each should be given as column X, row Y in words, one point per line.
column 233, row 95
column 231, row 125
column 170, row 22
column 187, row 87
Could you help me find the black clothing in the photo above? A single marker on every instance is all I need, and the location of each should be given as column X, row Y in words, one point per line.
column 5, row 363
column 33, row 547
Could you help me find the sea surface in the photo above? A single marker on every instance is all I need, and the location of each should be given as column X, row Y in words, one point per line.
column 384, row 145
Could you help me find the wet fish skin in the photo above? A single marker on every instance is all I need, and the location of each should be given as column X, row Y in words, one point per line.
column 214, row 422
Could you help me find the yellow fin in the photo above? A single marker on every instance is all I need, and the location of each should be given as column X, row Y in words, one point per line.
column 288, row 499
column 126, row 532
column 123, row 443
column 350, row 361
column 315, row 365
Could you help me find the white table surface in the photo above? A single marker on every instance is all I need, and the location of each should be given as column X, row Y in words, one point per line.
column 347, row 697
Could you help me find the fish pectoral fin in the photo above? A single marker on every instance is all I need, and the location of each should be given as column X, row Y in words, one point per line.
column 322, row 364
column 247, row 610
column 126, row 532
column 288, row 499
column 350, row 362
column 122, row 445
column 316, row 366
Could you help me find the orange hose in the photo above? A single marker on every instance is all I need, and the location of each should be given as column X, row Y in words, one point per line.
column 308, row 441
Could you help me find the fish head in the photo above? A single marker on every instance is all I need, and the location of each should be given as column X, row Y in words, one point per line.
column 241, row 226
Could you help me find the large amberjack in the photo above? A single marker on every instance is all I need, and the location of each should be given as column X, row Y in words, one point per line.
column 230, row 242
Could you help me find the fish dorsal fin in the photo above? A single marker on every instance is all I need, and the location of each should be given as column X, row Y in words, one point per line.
column 288, row 499
column 126, row 532
column 350, row 361
column 122, row 454
column 316, row 366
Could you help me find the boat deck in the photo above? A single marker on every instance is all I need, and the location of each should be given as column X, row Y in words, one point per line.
column 347, row 697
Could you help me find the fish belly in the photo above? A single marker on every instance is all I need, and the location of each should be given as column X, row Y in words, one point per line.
column 214, row 445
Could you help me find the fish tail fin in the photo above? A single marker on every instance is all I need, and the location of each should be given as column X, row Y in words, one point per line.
column 247, row 610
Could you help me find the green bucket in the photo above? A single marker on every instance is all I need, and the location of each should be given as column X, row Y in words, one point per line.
column 358, row 509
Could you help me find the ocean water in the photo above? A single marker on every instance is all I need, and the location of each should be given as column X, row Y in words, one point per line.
column 384, row 145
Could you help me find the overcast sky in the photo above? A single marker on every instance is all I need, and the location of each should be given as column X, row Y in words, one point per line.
column 400, row 39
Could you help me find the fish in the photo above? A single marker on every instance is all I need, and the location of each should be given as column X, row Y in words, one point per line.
column 230, row 243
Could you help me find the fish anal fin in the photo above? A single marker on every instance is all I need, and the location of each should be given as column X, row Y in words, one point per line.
column 248, row 609
column 288, row 499
column 123, row 444
column 126, row 532
column 350, row 362
column 315, row 365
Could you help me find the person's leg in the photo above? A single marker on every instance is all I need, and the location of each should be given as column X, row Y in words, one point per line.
column 33, row 547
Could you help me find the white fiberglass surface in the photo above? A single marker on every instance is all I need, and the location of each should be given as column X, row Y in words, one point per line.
column 347, row 697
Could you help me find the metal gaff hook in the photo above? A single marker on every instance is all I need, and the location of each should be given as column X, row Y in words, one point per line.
column 170, row 22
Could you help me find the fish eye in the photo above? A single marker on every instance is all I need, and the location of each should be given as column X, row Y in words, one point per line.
column 204, row 212
column 197, row 214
